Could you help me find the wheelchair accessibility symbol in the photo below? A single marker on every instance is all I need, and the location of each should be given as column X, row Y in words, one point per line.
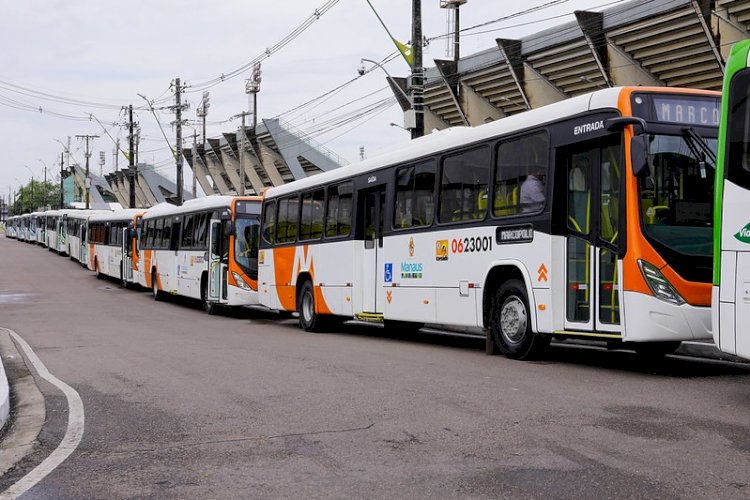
column 388, row 274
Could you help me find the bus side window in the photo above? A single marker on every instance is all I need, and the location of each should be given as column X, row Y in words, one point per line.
column 269, row 222
column 464, row 179
column 518, row 160
column 415, row 196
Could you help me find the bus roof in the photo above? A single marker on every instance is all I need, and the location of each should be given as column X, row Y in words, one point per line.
column 125, row 214
column 196, row 205
column 457, row 136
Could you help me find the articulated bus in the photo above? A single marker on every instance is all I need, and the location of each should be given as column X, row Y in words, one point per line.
column 205, row 249
column 731, row 279
column 107, row 243
column 587, row 218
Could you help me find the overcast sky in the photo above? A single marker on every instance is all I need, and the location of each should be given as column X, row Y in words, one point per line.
column 108, row 52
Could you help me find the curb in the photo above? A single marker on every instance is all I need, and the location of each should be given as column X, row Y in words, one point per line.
column 4, row 396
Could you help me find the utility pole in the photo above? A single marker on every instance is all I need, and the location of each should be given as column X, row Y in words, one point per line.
column 62, row 170
column 201, row 111
column 131, row 157
column 44, row 193
column 242, row 156
column 417, row 72
column 116, row 155
column 178, row 109
column 88, row 175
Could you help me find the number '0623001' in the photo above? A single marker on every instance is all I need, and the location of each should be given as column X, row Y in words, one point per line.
column 468, row 245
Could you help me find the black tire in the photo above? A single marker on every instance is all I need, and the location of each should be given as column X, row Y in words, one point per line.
column 309, row 320
column 208, row 306
column 510, row 323
column 655, row 350
column 99, row 274
column 155, row 293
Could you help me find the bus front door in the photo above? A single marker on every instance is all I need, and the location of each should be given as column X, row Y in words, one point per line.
column 216, row 263
column 62, row 233
column 593, row 283
column 373, row 205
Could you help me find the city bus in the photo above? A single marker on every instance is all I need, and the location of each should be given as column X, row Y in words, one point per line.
column 107, row 242
column 731, row 278
column 23, row 227
column 11, row 227
column 76, row 228
column 52, row 232
column 205, row 249
column 588, row 218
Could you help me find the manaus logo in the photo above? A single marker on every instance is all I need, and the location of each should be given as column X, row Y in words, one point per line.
column 744, row 234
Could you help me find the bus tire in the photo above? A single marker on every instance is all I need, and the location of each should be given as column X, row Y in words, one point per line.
column 309, row 320
column 510, row 323
column 655, row 350
column 207, row 305
column 98, row 272
column 155, row 293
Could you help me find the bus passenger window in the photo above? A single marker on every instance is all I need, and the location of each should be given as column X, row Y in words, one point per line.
column 464, row 183
column 269, row 222
column 311, row 221
column 520, row 173
column 415, row 196
column 339, row 212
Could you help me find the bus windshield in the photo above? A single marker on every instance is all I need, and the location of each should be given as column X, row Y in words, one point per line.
column 247, row 230
column 676, row 198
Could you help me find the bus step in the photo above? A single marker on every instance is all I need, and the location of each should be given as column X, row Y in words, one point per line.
column 371, row 317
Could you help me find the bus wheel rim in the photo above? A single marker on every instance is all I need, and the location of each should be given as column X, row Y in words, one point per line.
column 513, row 320
column 307, row 307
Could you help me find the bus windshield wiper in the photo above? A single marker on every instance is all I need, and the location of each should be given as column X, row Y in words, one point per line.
column 694, row 141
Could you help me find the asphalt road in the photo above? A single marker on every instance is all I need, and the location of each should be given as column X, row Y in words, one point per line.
column 179, row 404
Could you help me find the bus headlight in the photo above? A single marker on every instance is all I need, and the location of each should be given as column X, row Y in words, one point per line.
column 659, row 284
column 240, row 282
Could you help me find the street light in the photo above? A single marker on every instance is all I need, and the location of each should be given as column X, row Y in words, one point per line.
column 362, row 70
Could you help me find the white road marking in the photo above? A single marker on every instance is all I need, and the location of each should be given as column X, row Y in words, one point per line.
column 73, row 434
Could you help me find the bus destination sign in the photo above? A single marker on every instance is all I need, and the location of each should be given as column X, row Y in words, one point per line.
column 687, row 110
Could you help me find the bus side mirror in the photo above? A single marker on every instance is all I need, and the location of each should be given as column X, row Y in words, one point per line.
column 639, row 157
column 617, row 124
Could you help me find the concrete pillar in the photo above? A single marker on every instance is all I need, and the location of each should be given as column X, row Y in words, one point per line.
column 479, row 110
column 539, row 90
column 627, row 71
column 267, row 158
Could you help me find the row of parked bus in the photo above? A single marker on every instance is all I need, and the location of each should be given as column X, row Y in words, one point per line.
column 589, row 218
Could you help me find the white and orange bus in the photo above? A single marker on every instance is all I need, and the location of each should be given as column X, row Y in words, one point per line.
column 205, row 249
column 107, row 243
column 588, row 218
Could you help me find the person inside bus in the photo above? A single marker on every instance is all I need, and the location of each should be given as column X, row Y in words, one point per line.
column 532, row 193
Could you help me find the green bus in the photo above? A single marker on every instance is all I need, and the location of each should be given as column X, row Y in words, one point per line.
column 731, row 280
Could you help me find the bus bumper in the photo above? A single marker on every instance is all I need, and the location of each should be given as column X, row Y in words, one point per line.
column 649, row 319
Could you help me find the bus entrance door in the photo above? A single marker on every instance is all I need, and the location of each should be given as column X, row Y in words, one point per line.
column 373, row 205
column 592, row 277
column 62, row 232
column 215, row 252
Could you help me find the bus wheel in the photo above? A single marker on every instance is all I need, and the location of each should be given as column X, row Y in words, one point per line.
column 155, row 287
column 510, row 323
column 308, row 319
column 208, row 306
column 655, row 350
column 98, row 272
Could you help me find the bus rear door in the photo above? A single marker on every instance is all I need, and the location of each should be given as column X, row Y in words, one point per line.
column 373, row 205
